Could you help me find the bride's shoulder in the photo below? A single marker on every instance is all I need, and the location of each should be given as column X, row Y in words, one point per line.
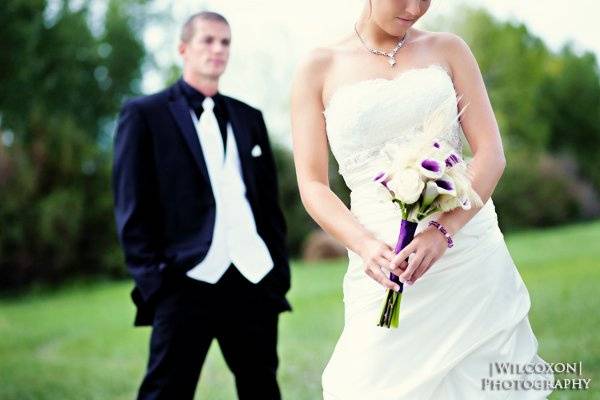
column 311, row 71
column 433, row 36
column 446, row 46
column 457, row 53
column 449, row 44
column 322, row 57
column 440, row 41
column 316, row 64
column 316, row 60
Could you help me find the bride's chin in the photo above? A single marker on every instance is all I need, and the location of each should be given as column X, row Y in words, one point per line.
column 397, row 30
column 398, row 27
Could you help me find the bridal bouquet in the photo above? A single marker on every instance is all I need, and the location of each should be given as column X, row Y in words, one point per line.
column 422, row 178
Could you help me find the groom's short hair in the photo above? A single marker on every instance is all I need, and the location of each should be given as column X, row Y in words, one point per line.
column 189, row 27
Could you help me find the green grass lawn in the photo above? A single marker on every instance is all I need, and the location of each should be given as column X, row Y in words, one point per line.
column 78, row 342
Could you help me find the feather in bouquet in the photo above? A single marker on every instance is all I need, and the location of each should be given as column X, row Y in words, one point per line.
column 421, row 178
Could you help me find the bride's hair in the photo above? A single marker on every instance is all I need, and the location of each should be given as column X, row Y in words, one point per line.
column 188, row 29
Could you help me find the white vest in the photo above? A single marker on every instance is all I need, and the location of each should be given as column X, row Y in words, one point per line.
column 235, row 239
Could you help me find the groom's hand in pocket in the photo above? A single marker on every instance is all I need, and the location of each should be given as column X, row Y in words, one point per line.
column 376, row 257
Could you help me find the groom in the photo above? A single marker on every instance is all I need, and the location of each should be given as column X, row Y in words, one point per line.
column 197, row 214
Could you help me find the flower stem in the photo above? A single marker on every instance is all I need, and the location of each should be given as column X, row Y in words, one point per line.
column 390, row 312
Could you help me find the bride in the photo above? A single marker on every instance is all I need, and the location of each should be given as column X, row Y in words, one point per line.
column 465, row 308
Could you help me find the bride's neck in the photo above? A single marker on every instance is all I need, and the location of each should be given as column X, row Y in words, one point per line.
column 373, row 34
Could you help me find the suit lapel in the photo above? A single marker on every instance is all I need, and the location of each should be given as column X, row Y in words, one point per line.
column 181, row 112
column 243, row 142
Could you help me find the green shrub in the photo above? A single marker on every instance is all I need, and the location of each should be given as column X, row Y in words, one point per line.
column 534, row 193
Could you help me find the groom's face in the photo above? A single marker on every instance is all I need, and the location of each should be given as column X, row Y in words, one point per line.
column 207, row 52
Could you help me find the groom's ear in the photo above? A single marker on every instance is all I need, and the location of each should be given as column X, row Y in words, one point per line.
column 181, row 48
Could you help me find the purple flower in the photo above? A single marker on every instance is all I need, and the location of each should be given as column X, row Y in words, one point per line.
column 444, row 184
column 431, row 168
column 431, row 165
column 465, row 202
column 452, row 160
column 435, row 188
column 382, row 178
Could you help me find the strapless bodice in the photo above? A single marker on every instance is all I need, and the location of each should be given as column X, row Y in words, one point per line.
column 362, row 117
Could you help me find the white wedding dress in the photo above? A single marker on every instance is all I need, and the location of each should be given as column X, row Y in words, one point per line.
column 467, row 311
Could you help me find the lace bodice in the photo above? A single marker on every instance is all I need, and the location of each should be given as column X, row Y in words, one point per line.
column 362, row 117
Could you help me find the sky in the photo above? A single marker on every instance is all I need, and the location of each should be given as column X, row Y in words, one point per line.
column 270, row 36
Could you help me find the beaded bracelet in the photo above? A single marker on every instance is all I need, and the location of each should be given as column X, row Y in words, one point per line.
column 442, row 229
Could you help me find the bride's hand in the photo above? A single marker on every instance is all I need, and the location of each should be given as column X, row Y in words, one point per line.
column 424, row 250
column 376, row 256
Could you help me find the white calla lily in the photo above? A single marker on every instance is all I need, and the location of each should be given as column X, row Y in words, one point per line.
column 431, row 192
column 433, row 189
column 445, row 185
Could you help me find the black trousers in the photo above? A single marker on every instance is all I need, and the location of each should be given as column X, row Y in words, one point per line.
column 189, row 315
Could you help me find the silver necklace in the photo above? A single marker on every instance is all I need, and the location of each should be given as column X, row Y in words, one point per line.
column 391, row 55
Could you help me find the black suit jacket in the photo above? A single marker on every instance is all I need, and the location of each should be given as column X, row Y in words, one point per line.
column 164, row 204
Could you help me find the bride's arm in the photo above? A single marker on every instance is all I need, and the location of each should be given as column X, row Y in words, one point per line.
column 480, row 128
column 311, row 163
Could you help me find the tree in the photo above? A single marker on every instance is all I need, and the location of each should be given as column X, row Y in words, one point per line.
column 513, row 65
column 570, row 100
column 60, row 83
column 546, row 104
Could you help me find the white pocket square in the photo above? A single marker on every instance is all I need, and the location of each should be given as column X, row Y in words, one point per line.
column 256, row 151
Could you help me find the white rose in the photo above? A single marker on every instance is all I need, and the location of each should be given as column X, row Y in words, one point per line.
column 407, row 185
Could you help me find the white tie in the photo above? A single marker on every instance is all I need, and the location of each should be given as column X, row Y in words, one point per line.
column 217, row 258
column 211, row 135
